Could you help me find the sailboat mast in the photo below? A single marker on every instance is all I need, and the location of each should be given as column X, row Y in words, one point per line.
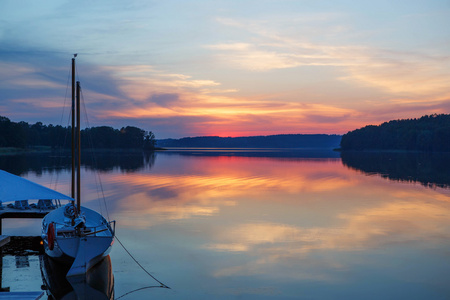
column 73, row 129
column 78, row 149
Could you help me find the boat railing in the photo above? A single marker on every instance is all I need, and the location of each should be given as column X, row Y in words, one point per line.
column 93, row 230
column 88, row 230
column 113, row 227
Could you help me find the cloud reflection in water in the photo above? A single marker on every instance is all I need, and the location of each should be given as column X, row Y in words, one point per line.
column 272, row 221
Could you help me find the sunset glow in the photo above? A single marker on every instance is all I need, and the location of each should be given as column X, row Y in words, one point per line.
column 233, row 70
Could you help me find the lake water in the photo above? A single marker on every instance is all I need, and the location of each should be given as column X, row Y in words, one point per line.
column 252, row 224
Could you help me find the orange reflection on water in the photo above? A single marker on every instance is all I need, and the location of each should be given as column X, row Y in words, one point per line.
column 222, row 182
column 396, row 222
column 290, row 220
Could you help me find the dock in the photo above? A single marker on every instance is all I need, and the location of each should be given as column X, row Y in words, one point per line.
column 4, row 239
column 21, row 295
column 8, row 212
column 8, row 246
column 14, row 213
column 6, row 295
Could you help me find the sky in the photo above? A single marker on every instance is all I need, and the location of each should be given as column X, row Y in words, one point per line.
column 226, row 67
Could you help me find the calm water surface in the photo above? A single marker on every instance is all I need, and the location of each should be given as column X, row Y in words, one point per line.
column 237, row 225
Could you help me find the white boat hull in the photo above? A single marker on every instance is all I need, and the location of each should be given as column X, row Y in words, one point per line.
column 80, row 248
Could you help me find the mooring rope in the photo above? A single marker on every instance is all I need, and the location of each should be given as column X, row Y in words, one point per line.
column 137, row 290
column 162, row 285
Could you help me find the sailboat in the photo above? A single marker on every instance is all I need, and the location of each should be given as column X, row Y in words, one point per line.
column 73, row 234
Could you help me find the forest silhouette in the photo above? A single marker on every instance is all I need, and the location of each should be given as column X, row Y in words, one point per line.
column 24, row 135
column 428, row 133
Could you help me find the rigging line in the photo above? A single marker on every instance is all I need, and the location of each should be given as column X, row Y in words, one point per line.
column 91, row 146
column 65, row 135
column 61, row 149
column 98, row 181
column 65, row 96
column 154, row 278
column 93, row 157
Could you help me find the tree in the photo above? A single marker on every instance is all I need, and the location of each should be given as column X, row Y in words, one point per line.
column 149, row 141
column 131, row 137
column 101, row 137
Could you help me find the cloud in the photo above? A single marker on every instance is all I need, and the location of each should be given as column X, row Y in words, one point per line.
column 35, row 84
column 404, row 73
column 171, row 104
column 140, row 82
column 416, row 73
column 161, row 97
column 164, row 100
column 288, row 72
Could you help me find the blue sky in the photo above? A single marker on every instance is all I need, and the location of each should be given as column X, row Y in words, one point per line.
column 228, row 68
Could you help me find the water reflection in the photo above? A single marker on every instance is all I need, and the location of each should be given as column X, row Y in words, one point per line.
column 23, row 259
column 97, row 284
column 133, row 161
column 58, row 162
column 286, row 228
column 231, row 227
column 19, row 259
column 430, row 169
column 283, row 153
column 203, row 186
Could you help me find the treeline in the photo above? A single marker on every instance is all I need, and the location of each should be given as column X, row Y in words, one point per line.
column 429, row 169
column 24, row 135
column 271, row 141
column 428, row 133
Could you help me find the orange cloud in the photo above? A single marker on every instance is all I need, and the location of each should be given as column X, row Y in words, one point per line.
column 208, row 110
column 211, row 111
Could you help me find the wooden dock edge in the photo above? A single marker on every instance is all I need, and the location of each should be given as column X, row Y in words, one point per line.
column 21, row 295
column 4, row 239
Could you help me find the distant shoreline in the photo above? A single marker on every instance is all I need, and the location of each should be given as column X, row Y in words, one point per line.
column 14, row 150
column 4, row 151
column 279, row 141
